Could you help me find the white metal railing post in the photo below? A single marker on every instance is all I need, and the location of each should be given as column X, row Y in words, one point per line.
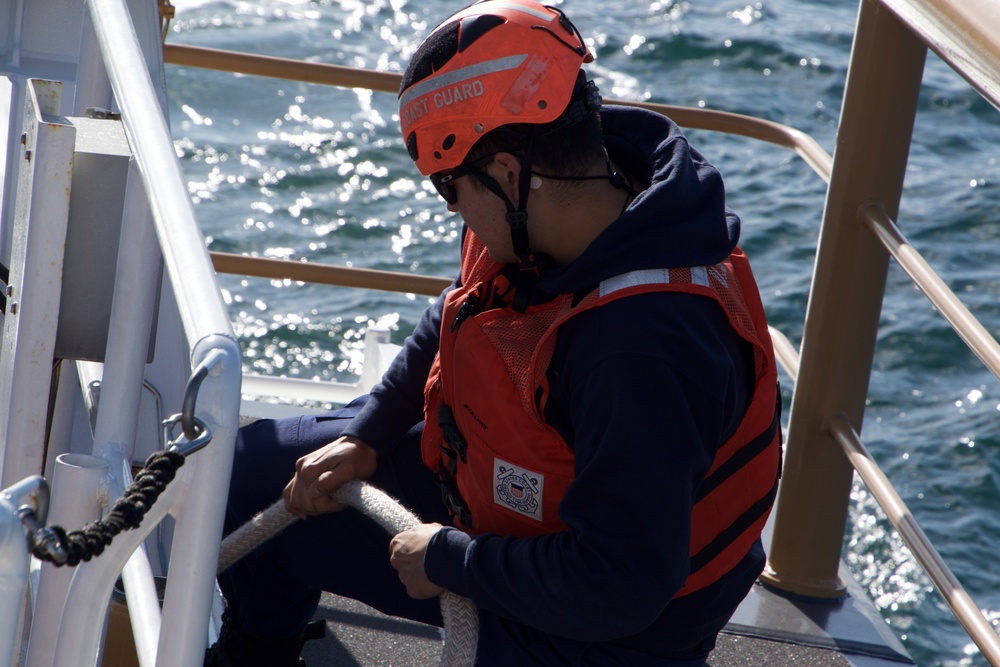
column 199, row 509
column 13, row 579
column 193, row 498
column 93, row 89
column 132, row 312
column 77, row 499
column 38, row 242
column 14, row 560
column 198, row 533
column 79, row 635
column 186, row 259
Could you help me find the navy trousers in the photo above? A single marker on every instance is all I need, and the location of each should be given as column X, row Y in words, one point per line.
column 274, row 591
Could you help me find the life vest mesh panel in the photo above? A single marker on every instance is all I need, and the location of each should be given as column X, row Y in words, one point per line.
column 515, row 340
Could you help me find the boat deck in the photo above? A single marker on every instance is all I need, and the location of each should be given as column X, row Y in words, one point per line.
column 768, row 630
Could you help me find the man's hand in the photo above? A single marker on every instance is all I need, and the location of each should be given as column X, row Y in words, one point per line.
column 407, row 551
column 318, row 474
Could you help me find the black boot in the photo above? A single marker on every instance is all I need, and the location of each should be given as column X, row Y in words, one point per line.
column 237, row 648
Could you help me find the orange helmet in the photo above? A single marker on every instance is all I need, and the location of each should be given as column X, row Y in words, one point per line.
column 493, row 63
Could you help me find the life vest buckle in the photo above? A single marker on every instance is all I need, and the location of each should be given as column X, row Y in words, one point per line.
column 451, row 497
column 452, row 436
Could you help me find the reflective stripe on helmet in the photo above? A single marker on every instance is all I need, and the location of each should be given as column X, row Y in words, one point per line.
column 451, row 78
column 478, row 8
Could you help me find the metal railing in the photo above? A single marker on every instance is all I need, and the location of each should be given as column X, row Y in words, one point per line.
column 326, row 274
column 208, row 331
column 876, row 123
column 158, row 220
column 856, row 232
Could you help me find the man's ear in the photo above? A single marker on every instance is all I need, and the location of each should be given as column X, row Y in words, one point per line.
column 508, row 170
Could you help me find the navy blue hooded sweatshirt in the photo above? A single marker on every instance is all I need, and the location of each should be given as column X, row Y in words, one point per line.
column 644, row 389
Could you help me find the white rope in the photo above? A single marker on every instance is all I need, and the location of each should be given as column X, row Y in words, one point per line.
column 257, row 530
column 461, row 622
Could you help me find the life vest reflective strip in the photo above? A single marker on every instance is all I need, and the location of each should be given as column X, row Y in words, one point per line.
column 504, row 469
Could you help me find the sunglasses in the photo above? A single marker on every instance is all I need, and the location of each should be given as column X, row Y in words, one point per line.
column 442, row 180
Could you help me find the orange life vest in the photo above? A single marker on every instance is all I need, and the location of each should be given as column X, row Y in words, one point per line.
column 503, row 469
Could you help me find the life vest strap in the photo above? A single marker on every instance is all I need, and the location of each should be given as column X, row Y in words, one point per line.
column 741, row 458
column 737, row 528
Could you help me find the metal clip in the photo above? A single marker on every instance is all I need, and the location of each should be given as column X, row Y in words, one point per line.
column 41, row 538
column 183, row 445
column 198, row 375
column 33, row 518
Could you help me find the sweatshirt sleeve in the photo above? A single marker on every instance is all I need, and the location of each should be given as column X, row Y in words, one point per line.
column 397, row 402
column 644, row 410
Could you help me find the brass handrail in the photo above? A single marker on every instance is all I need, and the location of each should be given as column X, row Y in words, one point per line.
column 351, row 77
column 280, row 68
column 327, row 274
column 965, row 609
column 964, row 323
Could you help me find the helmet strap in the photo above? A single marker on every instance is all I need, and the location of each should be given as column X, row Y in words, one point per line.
column 517, row 220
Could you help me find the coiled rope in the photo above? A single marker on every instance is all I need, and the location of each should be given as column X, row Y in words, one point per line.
column 461, row 622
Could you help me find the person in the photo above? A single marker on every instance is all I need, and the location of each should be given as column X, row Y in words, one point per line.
column 587, row 420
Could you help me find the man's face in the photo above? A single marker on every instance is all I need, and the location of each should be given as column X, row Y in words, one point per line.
column 484, row 213
column 482, row 210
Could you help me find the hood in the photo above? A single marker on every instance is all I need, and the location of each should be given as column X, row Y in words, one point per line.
column 678, row 219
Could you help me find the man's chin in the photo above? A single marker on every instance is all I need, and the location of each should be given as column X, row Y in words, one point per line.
column 502, row 257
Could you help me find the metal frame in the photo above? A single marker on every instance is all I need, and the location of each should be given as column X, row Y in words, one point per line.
column 197, row 501
column 115, row 68
column 845, row 300
column 29, row 331
column 838, row 341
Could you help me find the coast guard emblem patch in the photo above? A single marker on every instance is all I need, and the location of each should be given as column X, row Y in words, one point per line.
column 518, row 489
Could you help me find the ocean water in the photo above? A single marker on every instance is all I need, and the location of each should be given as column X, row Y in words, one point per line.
column 299, row 171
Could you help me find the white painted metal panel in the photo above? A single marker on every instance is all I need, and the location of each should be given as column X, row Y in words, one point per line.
column 38, row 244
